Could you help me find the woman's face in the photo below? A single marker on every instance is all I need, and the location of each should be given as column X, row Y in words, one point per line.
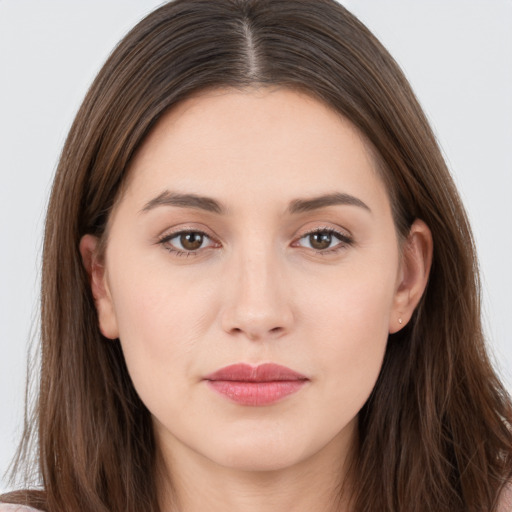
column 253, row 228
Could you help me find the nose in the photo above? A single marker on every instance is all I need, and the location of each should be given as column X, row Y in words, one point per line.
column 257, row 301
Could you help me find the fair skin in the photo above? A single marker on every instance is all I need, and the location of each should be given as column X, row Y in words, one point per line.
column 257, row 287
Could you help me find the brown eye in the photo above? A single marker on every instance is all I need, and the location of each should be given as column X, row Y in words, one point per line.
column 325, row 241
column 320, row 240
column 191, row 241
column 187, row 243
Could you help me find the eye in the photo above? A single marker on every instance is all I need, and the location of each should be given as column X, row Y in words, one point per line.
column 324, row 240
column 186, row 243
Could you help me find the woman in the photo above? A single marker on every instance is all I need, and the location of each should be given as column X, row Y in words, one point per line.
column 259, row 283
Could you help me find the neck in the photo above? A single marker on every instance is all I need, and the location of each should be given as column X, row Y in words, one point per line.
column 192, row 483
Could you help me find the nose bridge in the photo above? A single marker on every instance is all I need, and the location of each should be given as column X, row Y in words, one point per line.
column 257, row 276
column 257, row 304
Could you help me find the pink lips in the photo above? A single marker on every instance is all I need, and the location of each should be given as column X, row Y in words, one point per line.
column 260, row 385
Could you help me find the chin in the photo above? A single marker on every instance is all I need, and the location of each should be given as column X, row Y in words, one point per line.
column 256, row 461
column 260, row 454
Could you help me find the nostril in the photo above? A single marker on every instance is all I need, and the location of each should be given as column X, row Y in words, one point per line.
column 256, row 334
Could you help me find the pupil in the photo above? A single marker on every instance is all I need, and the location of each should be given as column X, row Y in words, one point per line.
column 191, row 241
column 320, row 240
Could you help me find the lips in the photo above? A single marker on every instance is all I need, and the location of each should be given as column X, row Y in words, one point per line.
column 267, row 372
column 260, row 385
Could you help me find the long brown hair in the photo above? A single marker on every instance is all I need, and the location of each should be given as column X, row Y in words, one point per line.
column 435, row 433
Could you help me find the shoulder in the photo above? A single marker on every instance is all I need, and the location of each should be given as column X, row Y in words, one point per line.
column 505, row 504
column 7, row 507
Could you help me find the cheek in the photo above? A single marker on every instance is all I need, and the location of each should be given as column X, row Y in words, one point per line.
column 162, row 320
column 349, row 324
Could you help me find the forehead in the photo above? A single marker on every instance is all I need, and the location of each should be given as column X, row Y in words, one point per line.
column 271, row 143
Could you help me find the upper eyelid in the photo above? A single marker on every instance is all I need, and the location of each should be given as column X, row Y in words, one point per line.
column 167, row 234
column 343, row 235
column 340, row 232
column 203, row 231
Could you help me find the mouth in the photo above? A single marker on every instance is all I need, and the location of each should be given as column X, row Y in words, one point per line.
column 261, row 385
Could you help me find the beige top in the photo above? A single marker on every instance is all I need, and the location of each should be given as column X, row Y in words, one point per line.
column 6, row 507
column 505, row 501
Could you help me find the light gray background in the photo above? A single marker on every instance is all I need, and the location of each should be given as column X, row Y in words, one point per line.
column 456, row 53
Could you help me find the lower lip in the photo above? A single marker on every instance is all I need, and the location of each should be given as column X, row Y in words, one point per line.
column 256, row 393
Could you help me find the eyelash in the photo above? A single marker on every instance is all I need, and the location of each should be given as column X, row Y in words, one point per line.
column 343, row 239
column 178, row 252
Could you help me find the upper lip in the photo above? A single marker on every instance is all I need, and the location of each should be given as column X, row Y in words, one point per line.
column 267, row 372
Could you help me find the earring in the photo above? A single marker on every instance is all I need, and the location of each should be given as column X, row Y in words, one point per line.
column 400, row 321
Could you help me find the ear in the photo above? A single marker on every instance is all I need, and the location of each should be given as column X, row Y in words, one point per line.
column 99, row 286
column 413, row 274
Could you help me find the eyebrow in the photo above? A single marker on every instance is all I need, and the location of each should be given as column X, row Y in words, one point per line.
column 336, row 198
column 168, row 198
